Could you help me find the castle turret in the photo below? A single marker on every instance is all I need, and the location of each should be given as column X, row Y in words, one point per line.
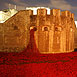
column 54, row 36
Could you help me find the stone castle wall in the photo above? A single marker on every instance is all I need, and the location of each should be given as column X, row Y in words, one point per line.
column 14, row 33
column 54, row 33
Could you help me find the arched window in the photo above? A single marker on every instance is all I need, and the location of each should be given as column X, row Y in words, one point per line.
column 45, row 28
column 15, row 28
column 35, row 29
column 58, row 29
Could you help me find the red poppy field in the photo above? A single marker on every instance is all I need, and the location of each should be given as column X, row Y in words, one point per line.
column 30, row 63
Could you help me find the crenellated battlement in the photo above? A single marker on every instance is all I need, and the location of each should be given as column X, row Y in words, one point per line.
column 54, row 12
column 52, row 31
column 56, row 17
column 4, row 16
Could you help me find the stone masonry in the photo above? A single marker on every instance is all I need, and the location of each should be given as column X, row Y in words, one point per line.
column 14, row 33
column 54, row 33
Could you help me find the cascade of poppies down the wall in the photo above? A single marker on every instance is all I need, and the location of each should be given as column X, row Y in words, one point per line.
column 13, row 57
column 29, row 63
column 31, row 48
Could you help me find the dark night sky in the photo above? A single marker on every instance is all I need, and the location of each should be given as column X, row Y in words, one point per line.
column 70, row 5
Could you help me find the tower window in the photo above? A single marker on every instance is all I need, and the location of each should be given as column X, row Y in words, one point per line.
column 56, row 29
column 45, row 29
column 15, row 28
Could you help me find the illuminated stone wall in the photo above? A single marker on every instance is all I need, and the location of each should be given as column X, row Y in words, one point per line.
column 75, row 45
column 14, row 33
column 54, row 33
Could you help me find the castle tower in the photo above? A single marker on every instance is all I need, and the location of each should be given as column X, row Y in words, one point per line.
column 54, row 33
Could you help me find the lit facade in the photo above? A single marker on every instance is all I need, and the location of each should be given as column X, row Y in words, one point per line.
column 53, row 33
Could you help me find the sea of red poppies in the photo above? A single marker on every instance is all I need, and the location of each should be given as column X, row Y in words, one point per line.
column 30, row 63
